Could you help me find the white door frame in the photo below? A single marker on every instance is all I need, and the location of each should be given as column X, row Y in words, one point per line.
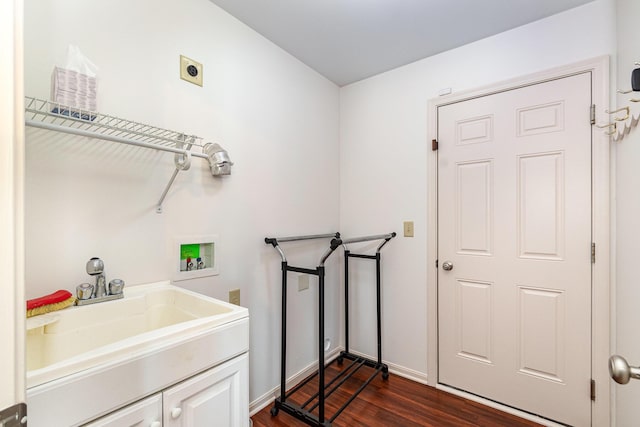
column 601, row 326
column 12, row 306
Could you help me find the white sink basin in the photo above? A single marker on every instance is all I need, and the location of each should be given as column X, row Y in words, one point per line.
column 148, row 318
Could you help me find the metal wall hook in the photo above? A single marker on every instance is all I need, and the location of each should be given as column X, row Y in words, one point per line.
column 606, row 126
column 610, row 126
column 619, row 119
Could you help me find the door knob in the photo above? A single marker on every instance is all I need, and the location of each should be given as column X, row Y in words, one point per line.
column 620, row 370
column 176, row 412
column 447, row 266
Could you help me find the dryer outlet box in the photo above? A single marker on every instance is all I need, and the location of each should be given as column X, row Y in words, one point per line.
column 190, row 70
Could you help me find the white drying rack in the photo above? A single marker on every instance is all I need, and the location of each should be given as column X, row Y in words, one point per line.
column 58, row 117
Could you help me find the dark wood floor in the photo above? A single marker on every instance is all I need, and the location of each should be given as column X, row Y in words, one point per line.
column 395, row 402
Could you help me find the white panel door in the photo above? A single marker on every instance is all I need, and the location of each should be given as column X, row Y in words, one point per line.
column 514, row 220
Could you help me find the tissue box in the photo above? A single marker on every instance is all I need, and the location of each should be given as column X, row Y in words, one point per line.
column 75, row 90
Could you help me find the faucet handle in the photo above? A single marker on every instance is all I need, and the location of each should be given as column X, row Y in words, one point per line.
column 84, row 291
column 115, row 286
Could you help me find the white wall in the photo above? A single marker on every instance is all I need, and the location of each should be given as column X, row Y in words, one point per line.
column 384, row 146
column 277, row 118
column 627, row 315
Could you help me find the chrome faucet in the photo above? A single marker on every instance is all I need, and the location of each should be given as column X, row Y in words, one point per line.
column 95, row 267
column 89, row 294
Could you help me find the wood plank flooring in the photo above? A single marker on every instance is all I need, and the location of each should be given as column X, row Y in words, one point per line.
column 396, row 402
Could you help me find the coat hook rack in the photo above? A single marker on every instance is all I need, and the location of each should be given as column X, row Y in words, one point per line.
column 630, row 120
column 631, row 124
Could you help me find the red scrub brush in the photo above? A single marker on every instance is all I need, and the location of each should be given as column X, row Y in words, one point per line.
column 48, row 303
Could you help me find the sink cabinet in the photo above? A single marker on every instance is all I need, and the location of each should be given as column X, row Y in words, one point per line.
column 182, row 372
column 216, row 397
column 146, row 413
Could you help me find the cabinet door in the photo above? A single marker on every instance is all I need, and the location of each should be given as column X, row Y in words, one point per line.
column 217, row 397
column 146, row 413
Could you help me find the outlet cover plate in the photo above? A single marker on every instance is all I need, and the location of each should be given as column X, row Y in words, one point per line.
column 234, row 296
column 190, row 70
column 303, row 282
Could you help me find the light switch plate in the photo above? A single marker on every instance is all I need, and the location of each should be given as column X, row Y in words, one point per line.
column 408, row 229
column 190, row 70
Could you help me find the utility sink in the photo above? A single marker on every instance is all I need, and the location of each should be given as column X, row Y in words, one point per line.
column 147, row 319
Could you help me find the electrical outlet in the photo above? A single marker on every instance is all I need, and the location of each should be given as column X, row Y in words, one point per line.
column 408, row 229
column 234, row 296
column 303, row 282
column 190, row 70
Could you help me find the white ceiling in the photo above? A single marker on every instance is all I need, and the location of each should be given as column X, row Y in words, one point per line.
column 349, row 40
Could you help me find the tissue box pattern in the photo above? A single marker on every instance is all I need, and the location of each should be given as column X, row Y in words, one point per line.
column 75, row 90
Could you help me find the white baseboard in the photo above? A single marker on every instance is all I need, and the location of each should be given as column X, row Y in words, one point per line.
column 401, row 371
column 498, row 406
column 267, row 398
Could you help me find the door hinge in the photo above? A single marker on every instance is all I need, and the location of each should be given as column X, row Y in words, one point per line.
column 593, row 390
column 436, row 263
column 593, row 114
column 593, row 253
column 434, row 145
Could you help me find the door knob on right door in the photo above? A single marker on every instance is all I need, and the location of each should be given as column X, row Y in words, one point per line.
column 447, row 266
column 620, row 370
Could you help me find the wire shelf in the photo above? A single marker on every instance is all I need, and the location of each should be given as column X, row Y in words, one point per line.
column 59, row 117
